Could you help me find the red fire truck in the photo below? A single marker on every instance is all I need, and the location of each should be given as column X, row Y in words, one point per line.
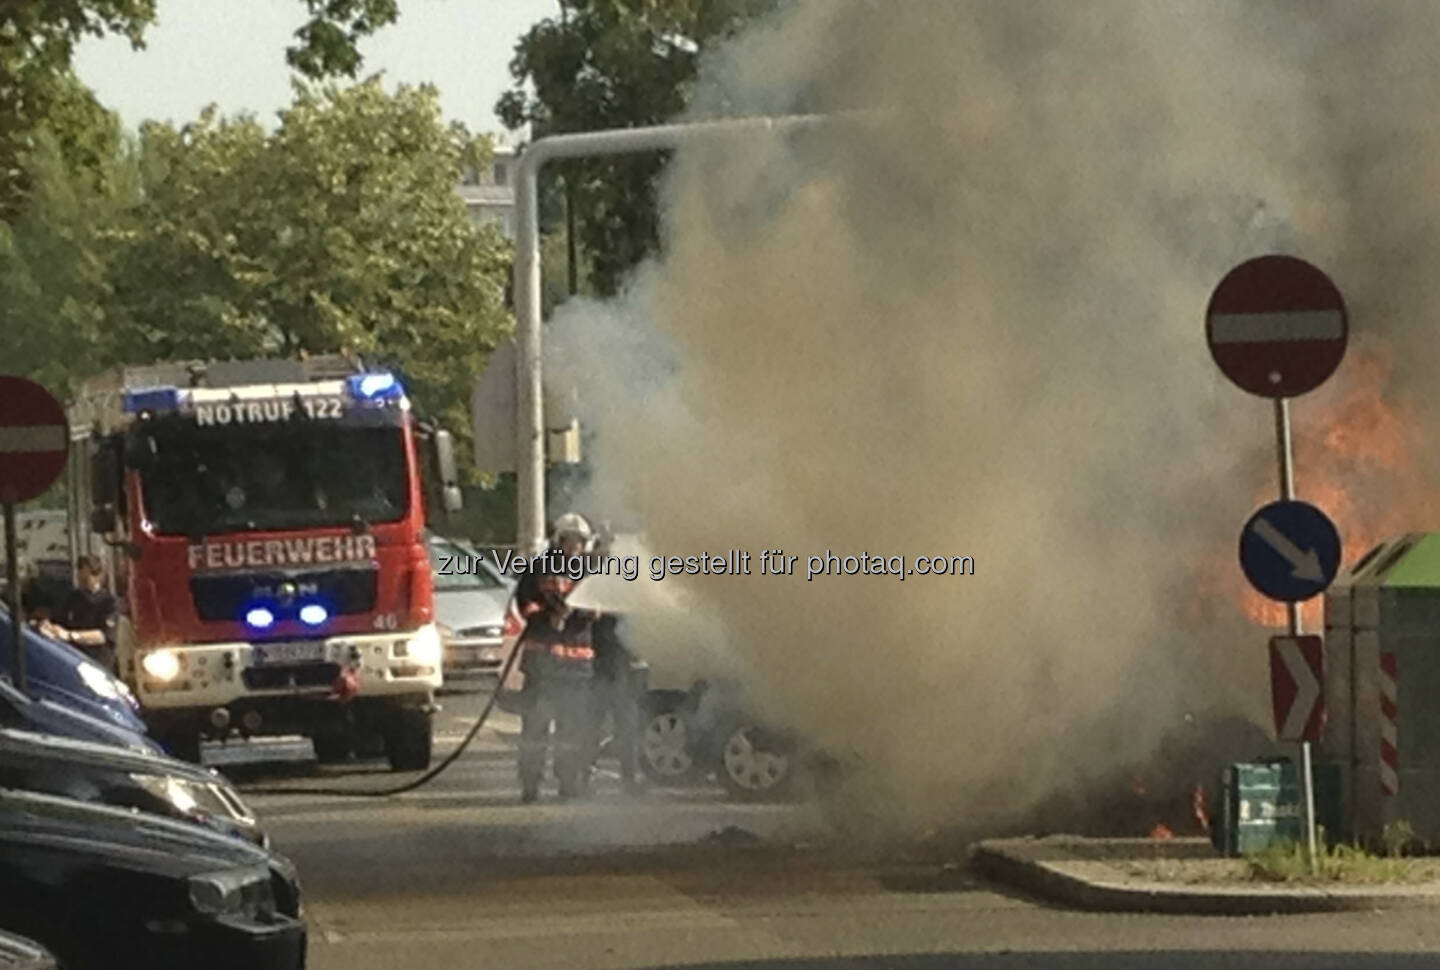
column 265, row 520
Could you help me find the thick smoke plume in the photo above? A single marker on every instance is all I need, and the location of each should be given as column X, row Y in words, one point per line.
column 971, row 322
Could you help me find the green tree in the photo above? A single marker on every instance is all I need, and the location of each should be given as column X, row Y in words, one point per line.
column 615, row 64
column 54, row 282
column 339, row 231
column 39, row 90
column 327, row 45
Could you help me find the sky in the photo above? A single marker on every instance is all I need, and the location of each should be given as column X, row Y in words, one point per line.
column 232, row 53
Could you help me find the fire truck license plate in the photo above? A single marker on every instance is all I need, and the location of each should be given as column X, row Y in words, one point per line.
column 287, row 653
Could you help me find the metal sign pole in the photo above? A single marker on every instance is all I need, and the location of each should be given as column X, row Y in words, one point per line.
column 12, row 573
column 1286, row 458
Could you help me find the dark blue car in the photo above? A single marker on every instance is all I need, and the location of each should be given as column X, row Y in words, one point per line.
column 26, row 713
column 69, row 694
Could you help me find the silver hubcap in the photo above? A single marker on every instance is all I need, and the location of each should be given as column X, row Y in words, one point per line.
column 664, row 746
column 751, row 768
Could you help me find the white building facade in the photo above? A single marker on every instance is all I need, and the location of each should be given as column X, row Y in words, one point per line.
column 490, row 195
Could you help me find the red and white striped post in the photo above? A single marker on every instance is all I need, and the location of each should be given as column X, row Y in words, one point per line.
column 1389, row 736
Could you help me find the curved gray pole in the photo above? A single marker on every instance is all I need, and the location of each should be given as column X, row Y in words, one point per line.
column 530, row 413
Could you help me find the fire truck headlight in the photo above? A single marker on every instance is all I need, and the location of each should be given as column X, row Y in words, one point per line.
column 313, row 614
column 98, row 681
column 425, row 648
column 163, row 665
column 259, row 617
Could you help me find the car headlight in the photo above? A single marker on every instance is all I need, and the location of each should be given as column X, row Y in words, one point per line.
column 425, row 648
column 177, row 791
column 163, row 665
column 234, row 892
column 98, row 681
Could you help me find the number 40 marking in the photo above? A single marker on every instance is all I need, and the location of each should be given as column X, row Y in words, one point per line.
column 387, row 621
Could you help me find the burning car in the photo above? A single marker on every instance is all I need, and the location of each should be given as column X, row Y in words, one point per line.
column 697, row 719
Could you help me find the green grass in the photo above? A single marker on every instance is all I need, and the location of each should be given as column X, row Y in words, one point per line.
column 1290, row 862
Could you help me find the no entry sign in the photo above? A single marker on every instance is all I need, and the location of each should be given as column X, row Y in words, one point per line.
column 1277, row 326
column 34, row 439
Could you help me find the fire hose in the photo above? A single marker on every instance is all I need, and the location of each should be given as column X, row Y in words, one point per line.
column 430, row 774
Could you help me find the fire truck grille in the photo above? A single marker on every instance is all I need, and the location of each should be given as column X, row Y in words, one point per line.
column 340, row 591
column 298, row 675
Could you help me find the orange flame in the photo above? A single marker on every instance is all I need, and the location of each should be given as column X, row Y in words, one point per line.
column 1355, row 458
column 1197, row 807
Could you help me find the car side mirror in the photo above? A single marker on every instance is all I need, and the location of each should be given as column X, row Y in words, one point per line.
column 445, row 467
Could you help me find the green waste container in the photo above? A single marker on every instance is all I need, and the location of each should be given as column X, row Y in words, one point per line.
column 1262, row 804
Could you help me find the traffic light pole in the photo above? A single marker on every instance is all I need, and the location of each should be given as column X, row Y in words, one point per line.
column 530, row 411
column 1286, row 459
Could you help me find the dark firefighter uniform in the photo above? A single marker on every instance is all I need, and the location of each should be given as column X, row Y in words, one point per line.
column 558, row 661
column 616, row 692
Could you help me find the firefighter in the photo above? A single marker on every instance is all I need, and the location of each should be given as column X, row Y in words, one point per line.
column 616, row 691
column 557, row 659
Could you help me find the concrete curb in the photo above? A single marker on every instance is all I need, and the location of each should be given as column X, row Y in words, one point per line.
column 1019, row 863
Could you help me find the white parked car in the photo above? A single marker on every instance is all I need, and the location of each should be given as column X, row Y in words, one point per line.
column 472, row 600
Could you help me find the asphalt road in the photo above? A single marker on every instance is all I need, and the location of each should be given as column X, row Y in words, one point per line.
column 459, row 874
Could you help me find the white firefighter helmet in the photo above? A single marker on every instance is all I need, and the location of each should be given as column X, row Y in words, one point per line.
column 572, row 524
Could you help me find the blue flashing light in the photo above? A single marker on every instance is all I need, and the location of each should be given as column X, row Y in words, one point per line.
column 313, row 614
column 152, row 399
column 374, row 387
column 260, row 618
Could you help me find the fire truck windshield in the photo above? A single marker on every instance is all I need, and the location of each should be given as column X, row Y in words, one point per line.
column 201, row 481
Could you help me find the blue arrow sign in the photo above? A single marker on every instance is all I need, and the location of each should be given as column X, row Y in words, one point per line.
column 1290, row 551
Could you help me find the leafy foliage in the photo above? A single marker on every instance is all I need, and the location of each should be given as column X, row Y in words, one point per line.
column 38, row 89
column 615, row 64
column 53, row 279
column 327, row 45
column 341, row 231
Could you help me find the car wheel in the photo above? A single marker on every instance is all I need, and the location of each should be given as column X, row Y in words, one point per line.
column 666, row 752
column 755, row 763
column 332, row 747
column 409, row 740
